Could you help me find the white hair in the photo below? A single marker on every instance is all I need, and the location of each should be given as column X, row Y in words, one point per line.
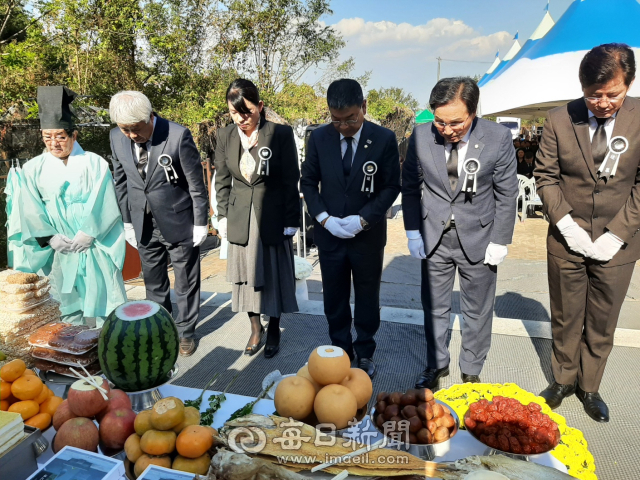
column 129, row 107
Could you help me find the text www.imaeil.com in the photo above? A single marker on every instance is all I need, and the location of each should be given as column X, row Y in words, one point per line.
column 358, row 460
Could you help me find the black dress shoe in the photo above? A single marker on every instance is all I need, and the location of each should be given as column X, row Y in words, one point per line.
column 272, row 347
column 187, row 347
column 593, row 405
column 470, row 378
column 368, row 366
column 556, row 392
column 252, row 348
column 429, row 378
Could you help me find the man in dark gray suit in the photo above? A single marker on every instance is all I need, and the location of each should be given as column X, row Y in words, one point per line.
column 459, row 189
column 164, row 205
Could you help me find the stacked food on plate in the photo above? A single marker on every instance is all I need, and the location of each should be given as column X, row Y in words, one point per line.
column 11, row 430
column 58, row 347
column 25, row 306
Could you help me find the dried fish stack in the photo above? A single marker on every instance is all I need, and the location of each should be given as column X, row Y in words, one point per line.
column 25, row 306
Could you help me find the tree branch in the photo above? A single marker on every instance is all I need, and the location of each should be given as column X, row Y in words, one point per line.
column 8, row 39
column 7, row 14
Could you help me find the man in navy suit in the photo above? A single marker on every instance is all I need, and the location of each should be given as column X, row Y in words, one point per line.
column 350, row 178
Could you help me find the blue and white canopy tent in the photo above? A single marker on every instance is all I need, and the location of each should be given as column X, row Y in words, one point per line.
column 515, row 48
column 493, row 66
column 544, row 73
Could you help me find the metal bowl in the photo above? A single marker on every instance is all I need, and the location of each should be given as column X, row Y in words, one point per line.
column 424, row 451
column 146, row 399
column 496, row 451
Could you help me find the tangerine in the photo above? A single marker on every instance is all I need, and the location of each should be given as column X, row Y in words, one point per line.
column 194, row 441
column 44, row 394
column 50, row 405
column 26, row 408
column 4, row 405
column 13, row 370
column 5, row 390
column 41, row 421
column 28, row 371
column 27, row 388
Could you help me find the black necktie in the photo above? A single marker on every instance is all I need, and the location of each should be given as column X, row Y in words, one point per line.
column 142, row 161
column 452, row 166
column 348, row 157
column 599, row 143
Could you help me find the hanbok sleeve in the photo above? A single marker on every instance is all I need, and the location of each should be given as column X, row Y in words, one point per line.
column 102, row 218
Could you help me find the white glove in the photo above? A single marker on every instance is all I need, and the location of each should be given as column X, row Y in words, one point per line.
column 200, row 233
column 290, row 231
column 81, row 242
column 416, row 245
column 606, row 246
column 222, row 227
column 351, row 224
column 576, row 237
column 495, row 254
column 336, row 229
column 130, row 235
column 61, row 244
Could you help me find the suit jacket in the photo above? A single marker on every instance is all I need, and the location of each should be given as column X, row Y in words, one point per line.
column 427, row 199
column 567, row 180
column 275, row 197
column 325, row 188
column 176, row 208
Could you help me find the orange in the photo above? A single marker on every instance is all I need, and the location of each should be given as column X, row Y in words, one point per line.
column 194, row 441
column 51, row 394
column 26, row 408
column 4, row 405
column 5, row 390
column 41, row 421
column 27, row 388
column 156, row 442
column 50, row 405
column 44, row 394
column 28, row 371
column 13, row 370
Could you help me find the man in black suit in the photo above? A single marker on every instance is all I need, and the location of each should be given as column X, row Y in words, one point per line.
column 164, row 205
column 356, row 163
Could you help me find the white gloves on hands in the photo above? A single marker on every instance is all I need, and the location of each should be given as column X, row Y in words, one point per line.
column 222, row 227
column 495, row 254
column 290, row 231
column 336, row 228
column 61, row 244
column 416, row 245
column 606, row 246
column 576, row 237
column 130, row 235
column 81, row 242
column 351, row 224
column 199, row 234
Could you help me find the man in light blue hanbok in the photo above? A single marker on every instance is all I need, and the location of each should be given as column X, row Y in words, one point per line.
column 72, row 230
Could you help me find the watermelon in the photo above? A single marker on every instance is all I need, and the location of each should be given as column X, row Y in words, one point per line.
column 138, row 346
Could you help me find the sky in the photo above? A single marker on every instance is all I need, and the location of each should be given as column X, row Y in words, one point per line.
column 399, row 40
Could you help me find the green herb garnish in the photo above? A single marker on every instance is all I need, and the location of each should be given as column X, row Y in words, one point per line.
column 196, row 403
column 215, row 402
column 248, row 408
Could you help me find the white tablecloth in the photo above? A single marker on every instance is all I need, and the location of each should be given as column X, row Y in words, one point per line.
column 462, row 445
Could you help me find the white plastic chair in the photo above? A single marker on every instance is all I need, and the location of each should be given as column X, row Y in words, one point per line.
column 521, row 193
column 531, row 198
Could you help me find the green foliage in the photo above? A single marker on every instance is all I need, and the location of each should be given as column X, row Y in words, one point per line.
column 384, row 102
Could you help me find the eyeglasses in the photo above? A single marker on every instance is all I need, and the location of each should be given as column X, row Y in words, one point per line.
column 453, row 126
column 58, row 139
column 611, row 100
column 346, row 123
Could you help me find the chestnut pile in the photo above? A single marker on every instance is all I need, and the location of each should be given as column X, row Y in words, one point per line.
column 413, row 417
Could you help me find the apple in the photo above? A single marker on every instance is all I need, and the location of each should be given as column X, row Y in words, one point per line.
column 117, row 399
column 116, row 427
column 85, row 400
column 77, row 432
column 63, row 413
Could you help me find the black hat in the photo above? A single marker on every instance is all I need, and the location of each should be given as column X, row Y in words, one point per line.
column 54, row 108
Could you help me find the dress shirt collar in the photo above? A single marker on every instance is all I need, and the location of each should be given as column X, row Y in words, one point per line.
column 356, row 136
column 464, row 140
column 609, row 120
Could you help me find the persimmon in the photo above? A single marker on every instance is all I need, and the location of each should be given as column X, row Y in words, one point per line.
column 13, row 370
column 27, row 388
column 41, row 421
column 5, row 390
column 194, row 441
column 26, row 408
column 50, row 405
column 198, row 465
column 156, row 442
